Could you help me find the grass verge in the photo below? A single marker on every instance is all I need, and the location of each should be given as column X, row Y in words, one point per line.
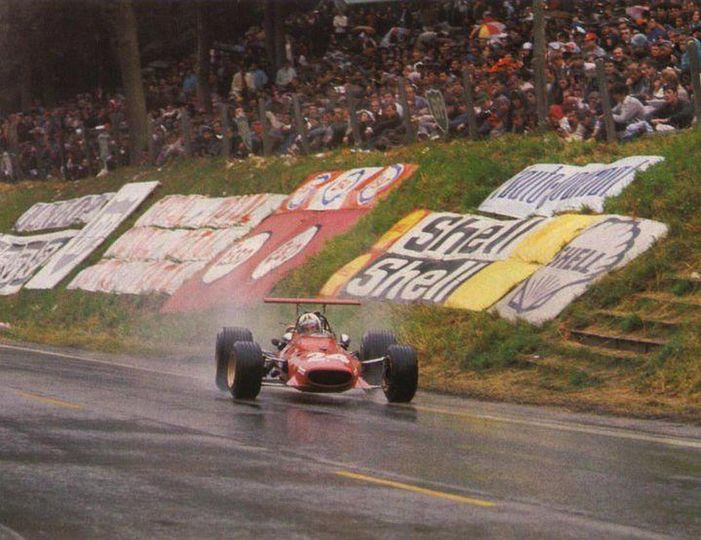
column 461, row 352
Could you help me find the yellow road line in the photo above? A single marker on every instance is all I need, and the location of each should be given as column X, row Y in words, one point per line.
column 416, row 489
column 51, row 401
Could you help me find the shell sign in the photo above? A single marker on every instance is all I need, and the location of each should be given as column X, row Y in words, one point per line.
column 527, row 269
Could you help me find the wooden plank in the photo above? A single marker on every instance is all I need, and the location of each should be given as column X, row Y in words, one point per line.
column 468, row 93
column 404, row 102
column 300, row 125
column 695, row 80
column 616, row 341
column 605, row 102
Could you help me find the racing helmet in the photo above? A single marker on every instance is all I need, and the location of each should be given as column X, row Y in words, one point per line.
column 309, row 323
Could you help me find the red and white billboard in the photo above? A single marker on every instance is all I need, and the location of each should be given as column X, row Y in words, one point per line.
column 251, row 267
column 324, row 206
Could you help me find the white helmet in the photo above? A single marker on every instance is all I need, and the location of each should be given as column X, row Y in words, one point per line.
column 309, row 323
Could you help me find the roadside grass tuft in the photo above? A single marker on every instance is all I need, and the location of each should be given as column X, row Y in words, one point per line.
column 631, row 323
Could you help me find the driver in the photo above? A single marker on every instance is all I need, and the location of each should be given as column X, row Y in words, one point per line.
column 309, row 323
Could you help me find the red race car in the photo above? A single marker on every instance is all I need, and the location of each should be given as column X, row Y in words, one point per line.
column 311, row 358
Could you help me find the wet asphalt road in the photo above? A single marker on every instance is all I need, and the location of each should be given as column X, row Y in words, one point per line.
column 100, row 446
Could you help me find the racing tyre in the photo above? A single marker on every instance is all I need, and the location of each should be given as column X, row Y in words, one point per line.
column 245, row 368
column 375, row 344
column 401, row 374
column 225, row 344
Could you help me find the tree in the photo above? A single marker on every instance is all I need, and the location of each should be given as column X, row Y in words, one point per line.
column 123, row 21
column 204, row 42
column 18, row 32
column 269, row 30
column 279, row 34
column 274, row 27
column 539, row 62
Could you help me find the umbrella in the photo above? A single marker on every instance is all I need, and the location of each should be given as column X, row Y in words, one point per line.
column 491, row 29
column 637, row 12
column 366, row 29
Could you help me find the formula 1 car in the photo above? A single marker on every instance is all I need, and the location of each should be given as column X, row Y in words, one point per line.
column 310, row 358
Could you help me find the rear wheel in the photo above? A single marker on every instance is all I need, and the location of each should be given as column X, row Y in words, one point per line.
column 245, row 368
column 224, row 345
column 401, row 374
column 376, row 343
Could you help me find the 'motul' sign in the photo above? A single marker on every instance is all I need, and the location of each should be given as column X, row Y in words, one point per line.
column 548, row 189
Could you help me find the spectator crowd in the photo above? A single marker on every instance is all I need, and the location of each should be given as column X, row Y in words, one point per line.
column 362, row 53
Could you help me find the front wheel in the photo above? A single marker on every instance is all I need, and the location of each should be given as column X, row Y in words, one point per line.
column 401, row 374
column 224, row 345
column 244, row 373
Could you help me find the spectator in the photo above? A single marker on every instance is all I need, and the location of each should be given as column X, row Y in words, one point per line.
column 628, row 110
column 286, row 75
column 676, row 113
column 362, row 52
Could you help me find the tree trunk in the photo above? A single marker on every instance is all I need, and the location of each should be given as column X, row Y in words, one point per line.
column 269, row 29
column 204, row 92
column 26, row 86
column 20, row 41
column 539, row 62
column 279, row 34
column 123, row 19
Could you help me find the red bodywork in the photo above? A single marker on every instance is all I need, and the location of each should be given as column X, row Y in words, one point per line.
column 317, row 363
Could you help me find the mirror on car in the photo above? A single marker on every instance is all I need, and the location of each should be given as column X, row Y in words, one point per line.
column 345, row 341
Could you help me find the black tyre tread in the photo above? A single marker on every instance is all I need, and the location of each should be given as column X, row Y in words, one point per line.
column 250, row 366
column 224, row 345
column 375, row 344
column 401, row 377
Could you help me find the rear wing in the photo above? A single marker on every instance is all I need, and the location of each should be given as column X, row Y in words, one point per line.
column 316, row 301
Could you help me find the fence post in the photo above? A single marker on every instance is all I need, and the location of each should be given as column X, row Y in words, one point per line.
column 226, row 131
column 353, row 119
column 470, row 104
column 539, row 62
column 151, row 142
column 605, row 101
column 62, row 151
column 186, row 127
column 267, row 150
column 695, row 80
column 404, row 102
column 88, row 151
column 299, row 123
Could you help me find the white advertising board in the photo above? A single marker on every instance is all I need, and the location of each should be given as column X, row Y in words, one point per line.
column 62, row 214
column 332, row 195
column 21, row 257
column 135, row 277
column 447, row 236
column 198, row 211
column 438, row 255
column 180, row 245
column 174, row 239
column 120, row 207
column 602, row 248
column 548, row 189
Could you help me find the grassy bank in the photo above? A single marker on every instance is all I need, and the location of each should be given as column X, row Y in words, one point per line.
column 461, row 352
